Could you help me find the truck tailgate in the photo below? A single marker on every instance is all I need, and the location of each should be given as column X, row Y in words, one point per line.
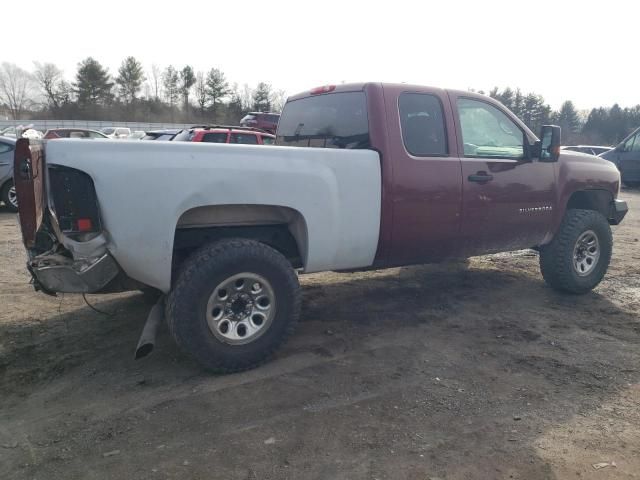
column 29, row 179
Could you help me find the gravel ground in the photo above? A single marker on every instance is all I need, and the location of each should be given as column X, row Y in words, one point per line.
column 475, row 371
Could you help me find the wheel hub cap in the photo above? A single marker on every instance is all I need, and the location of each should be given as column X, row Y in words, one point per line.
column 586, row 253
column 241, row 308
column 13, row 197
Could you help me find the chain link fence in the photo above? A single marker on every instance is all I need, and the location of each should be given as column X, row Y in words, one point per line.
column 44, row 125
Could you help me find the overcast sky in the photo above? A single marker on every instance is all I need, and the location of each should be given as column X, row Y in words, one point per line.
column 585, row 51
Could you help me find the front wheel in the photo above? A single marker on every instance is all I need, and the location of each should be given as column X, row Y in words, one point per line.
column 233, row 304
column 579, row 255
column 9, row 196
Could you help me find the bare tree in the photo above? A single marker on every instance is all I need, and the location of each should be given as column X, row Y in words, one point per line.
column 17, row 89
column 156, row 81
column 51, row 82
column 246, row 97
column 278, row 99
column 202, row 96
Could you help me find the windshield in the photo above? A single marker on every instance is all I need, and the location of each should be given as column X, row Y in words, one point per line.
column 337, row 120
column 108, row 131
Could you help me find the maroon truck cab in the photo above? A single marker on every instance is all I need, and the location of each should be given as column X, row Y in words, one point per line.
column 461, row 174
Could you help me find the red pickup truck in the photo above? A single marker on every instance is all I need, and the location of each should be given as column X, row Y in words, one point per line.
column 396, row 175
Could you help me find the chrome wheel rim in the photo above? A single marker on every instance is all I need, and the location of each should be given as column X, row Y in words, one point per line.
column 586, row 253
column 13, row 196
column 241, row 308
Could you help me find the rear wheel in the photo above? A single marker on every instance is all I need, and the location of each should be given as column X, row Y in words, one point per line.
column 233, row 304
column 9, row 196
column 578, row 257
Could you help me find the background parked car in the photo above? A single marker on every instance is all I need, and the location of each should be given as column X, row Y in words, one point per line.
column 7, row 190
column 225, row 134
column 72, row 133
column 626, row 156
column 166, row 134
column 264, row 121
column 116, row 132
column 26, row 132
column 590, row 149
column 136, row 135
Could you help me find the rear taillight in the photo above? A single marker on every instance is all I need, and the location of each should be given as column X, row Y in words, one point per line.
column 324, row 89
column 85, row 225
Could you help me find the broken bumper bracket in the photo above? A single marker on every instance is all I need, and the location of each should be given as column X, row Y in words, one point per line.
column 80, row 276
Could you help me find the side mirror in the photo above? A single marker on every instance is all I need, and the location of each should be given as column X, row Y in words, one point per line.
column 619, row 147
column 550, row 143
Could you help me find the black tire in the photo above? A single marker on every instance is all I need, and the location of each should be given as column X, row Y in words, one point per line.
column 557, row 258
column 150, row 295
column 196, row 282
column 5, row 197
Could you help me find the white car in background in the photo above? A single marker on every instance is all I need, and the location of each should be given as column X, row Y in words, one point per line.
column 136, row 135
column 27, row 132
column 116, row 132
column 590, row 149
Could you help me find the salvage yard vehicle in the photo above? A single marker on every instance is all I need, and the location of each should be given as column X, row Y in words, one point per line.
column 225, row 134
column 396, row 175
column 116, row 132
column 590, row 149
column 626, row 156
column 163, row 135
column 72, row 133
column 7, row 189
column 262, row 120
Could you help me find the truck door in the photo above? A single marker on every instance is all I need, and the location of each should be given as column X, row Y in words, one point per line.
column 508, row 198
column 426, row 190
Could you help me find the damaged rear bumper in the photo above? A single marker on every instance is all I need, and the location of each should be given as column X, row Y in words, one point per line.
column 57, row 273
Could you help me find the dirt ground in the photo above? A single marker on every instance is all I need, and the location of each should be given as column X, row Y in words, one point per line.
column 435, row 372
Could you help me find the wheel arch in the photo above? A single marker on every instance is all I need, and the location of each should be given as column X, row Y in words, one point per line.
column 282, row 228
column 599, row 200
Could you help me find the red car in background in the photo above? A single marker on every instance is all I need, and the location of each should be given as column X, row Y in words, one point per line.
column 264, row 121
column 225, row 134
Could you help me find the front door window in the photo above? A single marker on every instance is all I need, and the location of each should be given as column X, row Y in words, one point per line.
column 487, row 132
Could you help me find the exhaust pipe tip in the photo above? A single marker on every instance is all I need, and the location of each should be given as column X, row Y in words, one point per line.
column 148, row 336
column 144, row 350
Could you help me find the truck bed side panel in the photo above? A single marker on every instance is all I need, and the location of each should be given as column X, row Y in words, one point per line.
column 144, row 187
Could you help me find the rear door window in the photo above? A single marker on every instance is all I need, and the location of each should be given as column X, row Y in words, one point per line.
column 336, row 120
column 422, row 123
column 215, row 137
column 244, row 138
